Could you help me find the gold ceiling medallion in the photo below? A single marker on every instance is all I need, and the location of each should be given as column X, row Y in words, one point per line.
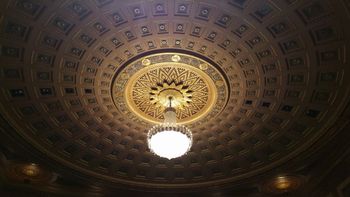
column 153, row 79
column 143, row 96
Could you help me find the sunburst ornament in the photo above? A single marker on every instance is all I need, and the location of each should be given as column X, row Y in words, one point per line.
column 180, row 94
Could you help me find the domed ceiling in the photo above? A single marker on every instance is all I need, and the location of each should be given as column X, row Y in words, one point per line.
column 265, row 80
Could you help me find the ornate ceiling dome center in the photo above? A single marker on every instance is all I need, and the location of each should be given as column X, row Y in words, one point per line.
column 181, row 95
column 142, row 88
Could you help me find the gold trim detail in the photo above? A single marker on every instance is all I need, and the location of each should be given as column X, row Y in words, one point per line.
column 198, row 93
column 138, row 92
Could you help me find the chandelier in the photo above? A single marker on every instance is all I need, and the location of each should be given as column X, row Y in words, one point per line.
column 169, row 139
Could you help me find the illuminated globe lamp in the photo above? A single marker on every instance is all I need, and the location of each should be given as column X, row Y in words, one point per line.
column 169, row 139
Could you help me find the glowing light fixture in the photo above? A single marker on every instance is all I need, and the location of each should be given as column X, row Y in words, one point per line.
column 283, row 184
column 168, row 139
column 31, row 170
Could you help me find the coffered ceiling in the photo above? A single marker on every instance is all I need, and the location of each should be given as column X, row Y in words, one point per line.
column 278, row 69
